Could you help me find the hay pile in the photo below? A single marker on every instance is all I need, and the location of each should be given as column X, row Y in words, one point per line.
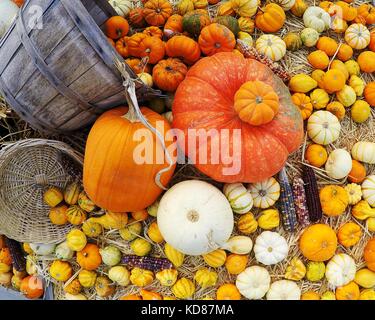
column 294, row 62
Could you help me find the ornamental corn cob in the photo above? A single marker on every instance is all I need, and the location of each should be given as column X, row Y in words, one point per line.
column 15, row 249
column 250, row 52
column 300, row 202
column 148, row 263
column 286, row 203
column 312, row 194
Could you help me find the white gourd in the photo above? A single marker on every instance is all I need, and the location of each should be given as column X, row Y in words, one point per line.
column 194, row 217
column 272, row 46
column 42, row 249
column 284, row 290
column 122, row 7
column 285, row 4
column 368, row 190
column 9, row 12
column 238, row 245
column 239, row 198
column 316, row 18
column 339, row 164
column 265, row 193
column 364, row 151
column 270, row 248
column 323, row 127
column 254, row 282
column 340, row 270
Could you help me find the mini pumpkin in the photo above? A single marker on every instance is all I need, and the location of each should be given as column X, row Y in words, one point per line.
column 141, row 277
column 358, row 172
column 272, row 46
column 156, row 12
column 247, row 223
column 270, row 18
column 92, row 229
column 89, row 257
column 228, row 291
column 167, row 277
column 60, row 270
column 120, row 275
column 116, row 27
column 349, row 291
column 369, row 254
column 303, row 102
column 183, row 288
column 216, row 38
column 284, row 290
column 154, row 233
column 73, row 287
column 315, row 271
column 357, row 36
column 131, row 231
column 236, row 263
column 87, row 278
column 299, row 8
column 173, row 255
column 334, row 80
column 302, row 83
column 270, row 248
column 349, row 234
column 309, row 37
column 104, row 287
column 316, row 155
column 215, row 258
column 253, row 282
column 75, row 215
column 32, row 287
column 239, row 197
column 140, row 45
column 319, row 98
column 357, row 84
column 345, row 52
column 265, row 193
column 355, row 193
column 360, row 111
column 85, row 203
column 352, row 67
column 296, row 270
column 205, row 278
column 366, row 61
column 346, row 96
column 337, row 109
column 58, row 216
column 141, row 247
column 334, row 200
column 76, row 240
column 193, row 22
column 293, row 41
column 184, row 48
column 323, row 127
column 168, row 74
column 369, row 93
column 339, row 164
column 269, row 219
column 318, row 76
column 53, row 196
column 328, row 45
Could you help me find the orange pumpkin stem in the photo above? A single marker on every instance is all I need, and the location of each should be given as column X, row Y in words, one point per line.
column 256, row 103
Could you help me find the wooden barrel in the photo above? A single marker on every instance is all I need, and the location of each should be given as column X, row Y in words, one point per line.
column 59, row 75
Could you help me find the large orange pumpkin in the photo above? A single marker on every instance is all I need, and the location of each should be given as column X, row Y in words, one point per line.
column 369, row 254
column 111, row 177
column 205, row 100
column 32, row 287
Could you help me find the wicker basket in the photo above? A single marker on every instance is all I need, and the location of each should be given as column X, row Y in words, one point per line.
column 27, row 168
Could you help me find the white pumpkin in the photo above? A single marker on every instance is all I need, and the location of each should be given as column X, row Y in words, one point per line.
column 368, row 190
column 122, row 7
column 357, row 36
column 284, row 290
column 239, row 198
column 272, row 46
column 63, row 252
column 316, row 18
column 265, row 193
column 323, row 127
column 254, row 282
column 285, row 4
column 339, row 164
column 195, row 217
column 340, row 270
column 270, row 248
column 9, row 12
column 238, row 245
column 42, row 249
column 364, row 151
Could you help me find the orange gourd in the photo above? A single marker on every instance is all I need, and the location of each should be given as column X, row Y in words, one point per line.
column 116, row 27
column 367, row 11
column 345, row 52
column 328, row 45
column 141, row 45
column 316, row 155
column 369, row 93
column 369, row 254
column 111, row 177
column 5, row 256
column 131, row 297
column 184, row 48
column 89, row 257
column 256, row 103
column 334, row 80
column 140, row 215
column 349, row 234
column 122, row 47
column 349, row 291
column 32, row 287
column 270, row 18
column 371, row 45
column 211, row 85
column 216, row 38
column 348, row 12
column 228, row 291
column 138, row 66
column 153, row 31
column 150, row 295
column 358, row 172
column 168, row 74
column 303, row 102
column 366, row 61
column 236, row 263
column 173, row 25
column 156, row 12
column 337, row 109
column 318, row 242
column 58, row 215
column 318, row 59
column 136, row 18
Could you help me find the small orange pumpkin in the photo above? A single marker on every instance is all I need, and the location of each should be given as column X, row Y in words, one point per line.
column 316, row 155
column 369, row 93
column 228, row 291
column 89, row 257
column 216, row 38
column 369, row 254
column 140, row 45
column 371, row 45
column 367, row 11
column 157, row 12
column 345, row 52
column 136, row 18
column 318, row 59
column 303, row 102
column 256, row 103
column 173, row 25
column 32, row 287
column 184, row 48
column 328, row 45
column 5, row 256
column 348, row 292
column 270, row 18
column 337, row 109
column 153, row 31
column 58, row 215
column 358, row 172
column 236, row 263
column 141, row 215
column 366, row 61
column 131, row 297
column 334, row 80
column 116, row 27
column 168, row 74
column 349, row 234
column 150, row 295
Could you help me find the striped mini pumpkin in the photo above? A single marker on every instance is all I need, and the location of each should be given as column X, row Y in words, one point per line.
column 265, row 193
